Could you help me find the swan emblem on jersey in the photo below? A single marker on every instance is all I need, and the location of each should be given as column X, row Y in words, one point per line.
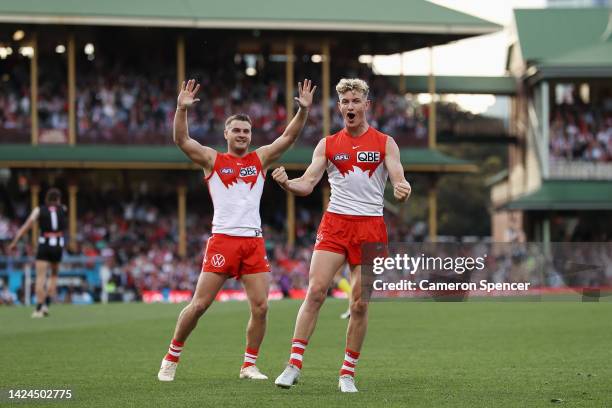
column 361, row 161
column 247, row 175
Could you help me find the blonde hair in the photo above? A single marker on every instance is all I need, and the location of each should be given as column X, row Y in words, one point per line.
column 353, row 84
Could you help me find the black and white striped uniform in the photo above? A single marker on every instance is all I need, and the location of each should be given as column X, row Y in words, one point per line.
column 52, row 222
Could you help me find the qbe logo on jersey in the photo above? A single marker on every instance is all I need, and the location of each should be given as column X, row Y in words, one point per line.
column 368, row 157
column 248, row 171
column 217, row 260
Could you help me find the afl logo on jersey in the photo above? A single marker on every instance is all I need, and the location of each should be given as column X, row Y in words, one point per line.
column 248, row 171
column 368, row 157
column 342, row 157
column 227, row 170
column 217, row 260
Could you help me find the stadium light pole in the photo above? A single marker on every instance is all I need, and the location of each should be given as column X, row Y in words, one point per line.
column 34, row 91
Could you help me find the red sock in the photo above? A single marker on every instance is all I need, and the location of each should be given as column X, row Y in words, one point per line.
column 250, row 357
column 350, row 361
column 297, row 352
column 174, row 351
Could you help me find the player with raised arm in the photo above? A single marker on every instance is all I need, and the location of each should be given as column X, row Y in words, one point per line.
column 236, row 248
column 52, row 221
column 358, row 160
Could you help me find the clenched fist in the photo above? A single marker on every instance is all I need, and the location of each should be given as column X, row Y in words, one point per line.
column 280, row 176
column 401, row 191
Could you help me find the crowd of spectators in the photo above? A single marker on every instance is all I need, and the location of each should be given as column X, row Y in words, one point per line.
column 581, row 132
column 137, row 241
column 118, row 105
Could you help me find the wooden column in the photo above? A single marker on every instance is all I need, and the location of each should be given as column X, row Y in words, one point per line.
column 34, row 92
column 71, row 91
column 180, row 60
column 181, row 192
column 402, row 78
column 72, row 215
column 326, row 86
column 289, row 79
column 34, row 192
column 290, row 219
column 432, row 200
column 431, row 85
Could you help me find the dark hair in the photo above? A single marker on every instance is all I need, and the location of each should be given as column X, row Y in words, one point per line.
column 53, row 196
column 239, row 116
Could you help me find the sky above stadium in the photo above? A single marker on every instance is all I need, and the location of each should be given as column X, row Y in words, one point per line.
column 483, row 55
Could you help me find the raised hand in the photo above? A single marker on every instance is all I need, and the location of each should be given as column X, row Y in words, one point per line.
column 186, row 97
column 402, row 191
column 305, row 92
column 280, row 176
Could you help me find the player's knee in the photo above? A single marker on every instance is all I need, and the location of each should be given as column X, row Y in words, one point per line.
column 199, row 306
column 259, row 310
column 316, row 296
column 359, row 308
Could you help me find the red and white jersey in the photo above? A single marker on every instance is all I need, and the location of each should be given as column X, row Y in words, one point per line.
column 357, row 173
column 235, row 186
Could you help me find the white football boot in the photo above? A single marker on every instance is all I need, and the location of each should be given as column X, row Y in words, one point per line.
column 37, row 314
column 346, row 315
column 252, row 373
column 289, row 377
column 167, row 370
column 346, row 383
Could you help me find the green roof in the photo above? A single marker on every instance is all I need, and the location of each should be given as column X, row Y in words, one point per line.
column 157, row 157
column 503, row 85
column 597, row 55
column 551, row 32
column 566, row 195
column 323, row 15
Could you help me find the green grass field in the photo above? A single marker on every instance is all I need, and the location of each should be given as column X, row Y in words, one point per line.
column 475, row 354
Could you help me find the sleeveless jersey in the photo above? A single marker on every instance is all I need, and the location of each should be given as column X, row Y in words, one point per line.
column 52, row 222
column 235, row 186
column 357, row 173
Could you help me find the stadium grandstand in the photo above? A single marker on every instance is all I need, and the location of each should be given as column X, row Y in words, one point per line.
column 90, row 95
column 558, row 183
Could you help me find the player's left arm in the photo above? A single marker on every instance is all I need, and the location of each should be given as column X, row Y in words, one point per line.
column 24, row 228
column 270, row 153
column 401, row 187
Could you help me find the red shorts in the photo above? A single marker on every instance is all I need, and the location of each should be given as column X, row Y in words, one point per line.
column 235, row 256
column 344, row 234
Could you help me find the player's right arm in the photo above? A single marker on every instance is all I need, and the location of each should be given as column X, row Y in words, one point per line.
column 302, row 186
column 201, row 155
column 24, row 228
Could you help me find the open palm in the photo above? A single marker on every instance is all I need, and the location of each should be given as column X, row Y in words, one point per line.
column 305, row 92
column 186, row 97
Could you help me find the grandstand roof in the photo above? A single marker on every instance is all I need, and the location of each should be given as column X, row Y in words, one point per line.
column 566, row 195
column 565, row 42
column 170, row 157
column 407, row 16
column 504, row 85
